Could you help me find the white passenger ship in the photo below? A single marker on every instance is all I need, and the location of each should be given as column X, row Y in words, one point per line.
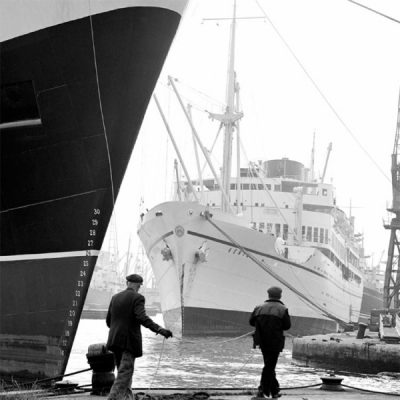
column 215, row 254
column 213, row 267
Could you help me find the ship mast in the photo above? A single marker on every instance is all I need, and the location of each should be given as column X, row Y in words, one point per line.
column 326, row 162
column 312, row 159
column 229, row 118
column 230, row 102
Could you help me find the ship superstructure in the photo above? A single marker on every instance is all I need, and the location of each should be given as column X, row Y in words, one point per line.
column 289, row 233
column 277, row 199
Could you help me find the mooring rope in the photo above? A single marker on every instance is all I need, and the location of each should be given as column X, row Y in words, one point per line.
column 244, row 364
column 370, row 391
column 54, row 378
column 158, row 364
column 217, row 341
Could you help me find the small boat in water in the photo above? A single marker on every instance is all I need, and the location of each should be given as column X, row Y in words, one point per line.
column 76, row 79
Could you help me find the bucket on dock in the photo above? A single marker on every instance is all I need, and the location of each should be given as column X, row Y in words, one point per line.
column 102, row 363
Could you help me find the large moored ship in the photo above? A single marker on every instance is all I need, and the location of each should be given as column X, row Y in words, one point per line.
column 212, row 267
column 215, row 254
column 76, row 78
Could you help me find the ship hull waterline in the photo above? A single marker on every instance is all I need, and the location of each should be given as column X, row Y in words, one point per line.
column 81, row 89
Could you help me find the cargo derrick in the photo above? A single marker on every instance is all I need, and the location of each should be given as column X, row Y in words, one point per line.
column 392, row 274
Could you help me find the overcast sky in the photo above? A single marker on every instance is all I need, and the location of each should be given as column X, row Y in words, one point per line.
column 323, row 66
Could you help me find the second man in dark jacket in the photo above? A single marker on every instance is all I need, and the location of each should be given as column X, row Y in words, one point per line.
column 270, row 320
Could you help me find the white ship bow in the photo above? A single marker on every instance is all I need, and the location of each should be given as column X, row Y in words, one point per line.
column 209, row 285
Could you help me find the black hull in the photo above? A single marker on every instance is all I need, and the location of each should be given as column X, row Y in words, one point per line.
column 372, row 299
column 61, row 173
column 39, row 315
column 212, row 322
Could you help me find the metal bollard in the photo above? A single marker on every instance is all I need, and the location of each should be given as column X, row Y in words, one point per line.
column 102, row 363
column 361, row 330
column 332, row 382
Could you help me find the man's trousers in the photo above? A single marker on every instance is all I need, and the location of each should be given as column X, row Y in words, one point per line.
column 121, row 388
column 269, row 383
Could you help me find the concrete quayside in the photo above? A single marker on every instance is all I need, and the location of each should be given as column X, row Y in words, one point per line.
column 344, row 352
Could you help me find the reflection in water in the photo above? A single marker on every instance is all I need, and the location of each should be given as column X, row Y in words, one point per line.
column 206, row 363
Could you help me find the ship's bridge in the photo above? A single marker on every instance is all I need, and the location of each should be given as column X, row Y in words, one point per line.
column 277, row 179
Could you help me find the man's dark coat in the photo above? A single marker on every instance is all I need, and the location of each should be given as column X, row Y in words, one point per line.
column 270, row 320
column 125, row 315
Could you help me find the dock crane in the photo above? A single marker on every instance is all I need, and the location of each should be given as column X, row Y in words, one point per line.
column 391, row 288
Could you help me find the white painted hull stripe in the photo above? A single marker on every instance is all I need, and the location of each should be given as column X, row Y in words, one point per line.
column 223, row 242
column 43, row 256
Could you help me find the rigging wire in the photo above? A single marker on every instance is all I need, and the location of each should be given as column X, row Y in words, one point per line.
column 374, row 11
column 113, row 230
column 329, row 104
column 214, row 103
column 207, row 97
column 101, row 106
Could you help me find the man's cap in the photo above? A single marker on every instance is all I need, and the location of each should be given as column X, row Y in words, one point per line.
column 134, row 278
column 275, row 292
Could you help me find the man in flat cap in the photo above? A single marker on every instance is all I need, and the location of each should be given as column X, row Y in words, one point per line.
column 270, row 320
column 126, row 314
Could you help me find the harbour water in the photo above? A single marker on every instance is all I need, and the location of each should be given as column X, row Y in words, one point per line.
column 208, row 363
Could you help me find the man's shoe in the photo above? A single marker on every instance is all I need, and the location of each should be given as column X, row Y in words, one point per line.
column 276, row 396
column 260, row 395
